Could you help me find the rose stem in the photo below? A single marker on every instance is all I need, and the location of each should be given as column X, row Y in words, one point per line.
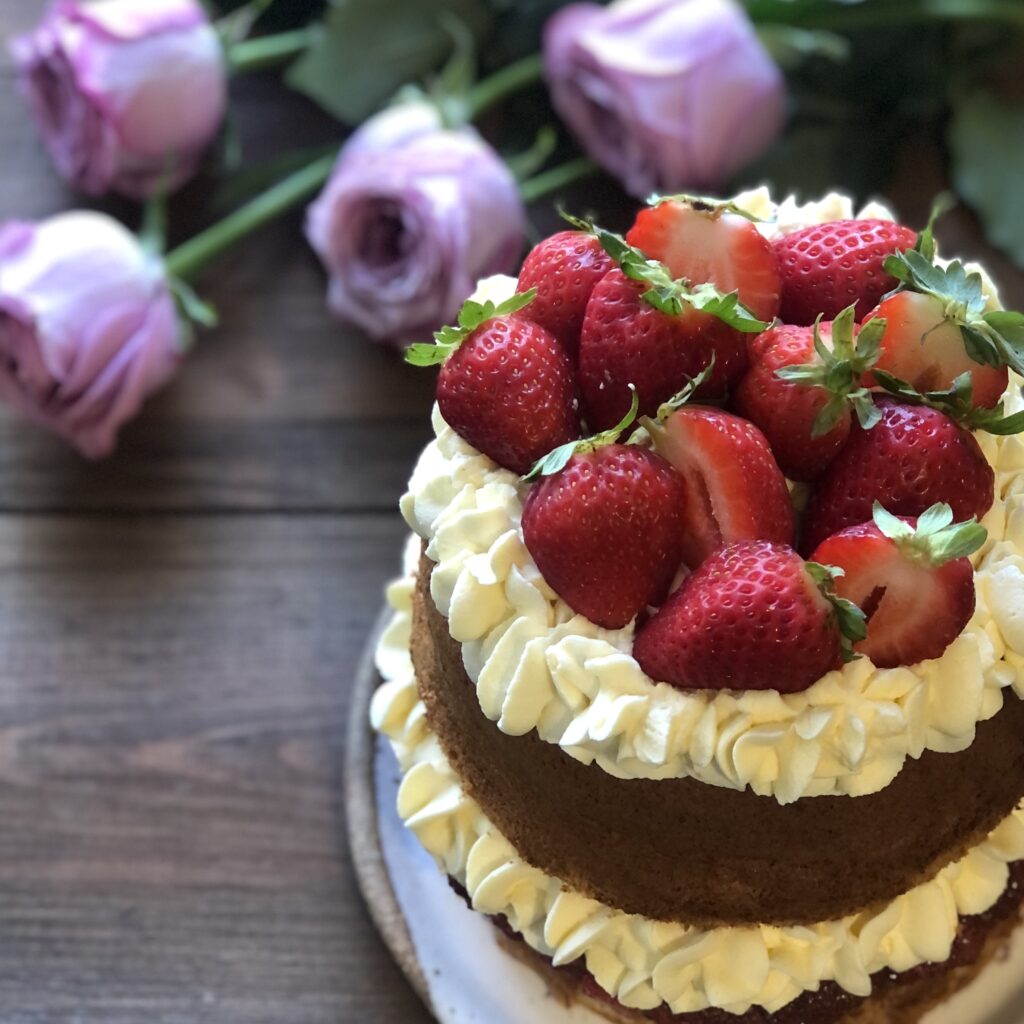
column 263, row 52
column 189, row 258
column 546, row 182
column 503, row 83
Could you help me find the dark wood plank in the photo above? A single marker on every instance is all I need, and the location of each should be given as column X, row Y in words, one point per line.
column 173, row 707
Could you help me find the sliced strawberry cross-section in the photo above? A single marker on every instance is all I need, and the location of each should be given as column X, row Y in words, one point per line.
column 703, row 241
column 734, row 488
column 912, row 578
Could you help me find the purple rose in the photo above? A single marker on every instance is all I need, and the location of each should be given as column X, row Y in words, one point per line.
column 664, row 94
column 413, row 215
column 127, row 95
column 88, row 327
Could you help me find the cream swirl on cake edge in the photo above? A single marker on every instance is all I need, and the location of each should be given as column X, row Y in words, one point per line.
column 538, row 665
column 641, row 962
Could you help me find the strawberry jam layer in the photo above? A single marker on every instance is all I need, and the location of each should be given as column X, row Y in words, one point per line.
column 830, row 1004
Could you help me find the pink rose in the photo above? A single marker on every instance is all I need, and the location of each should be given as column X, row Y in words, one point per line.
column 412, row 216
column 88, row 326
column 126, row 94
column 664, row 94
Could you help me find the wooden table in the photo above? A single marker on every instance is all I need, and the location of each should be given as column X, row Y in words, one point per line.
column 179, row 626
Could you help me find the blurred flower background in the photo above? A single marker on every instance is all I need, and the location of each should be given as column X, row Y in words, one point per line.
column 453, row 116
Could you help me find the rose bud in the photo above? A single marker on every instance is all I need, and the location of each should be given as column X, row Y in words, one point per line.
column 664, row 94
column 88, row 326
column 411, row 218
column 126, row 95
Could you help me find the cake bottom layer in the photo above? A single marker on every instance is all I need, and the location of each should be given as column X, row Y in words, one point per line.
column 895, row 999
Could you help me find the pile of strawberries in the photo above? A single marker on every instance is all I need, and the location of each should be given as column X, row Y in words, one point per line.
column 716, row 366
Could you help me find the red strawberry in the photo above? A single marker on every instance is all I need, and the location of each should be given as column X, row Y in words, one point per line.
column 700, row 241
column 913, row 458
column 734, row 489
column 626, row 340
column 925, row 348
column 803, row 394
column 506, row 386
column 563, row 269
column 912, row 578
column 826, row 267
column 605, row 530
column 754, row 616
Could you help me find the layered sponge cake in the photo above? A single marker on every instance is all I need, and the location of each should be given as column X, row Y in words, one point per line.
column 705, row 673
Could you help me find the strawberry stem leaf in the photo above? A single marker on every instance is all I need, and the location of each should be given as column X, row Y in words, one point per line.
column 706, row 204
column 941, row 205
column 666, row 294
column 557, row 459
column 685, row 393
column 851, row 621
column 472, row 315
column 936, row 539
column 956, row 402
column 838, row 370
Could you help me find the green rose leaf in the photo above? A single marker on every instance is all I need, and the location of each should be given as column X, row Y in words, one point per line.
column 986, row 137
column 365, row 52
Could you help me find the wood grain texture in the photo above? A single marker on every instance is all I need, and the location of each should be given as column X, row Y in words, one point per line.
column 179, row 627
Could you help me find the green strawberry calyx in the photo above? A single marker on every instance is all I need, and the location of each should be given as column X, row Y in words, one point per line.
column 472, row 315
column 992, row 337
column 936, row 539
column 852, row 623
column 706, row 204
column 665, row 293
column 956, row 402
column 839, row 369
column 650, row 425
column 558, row 458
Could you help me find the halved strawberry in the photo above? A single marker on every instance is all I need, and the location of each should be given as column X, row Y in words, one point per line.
column 912, row 578
column 734, row 488
column 925, row 348
column 702, row 241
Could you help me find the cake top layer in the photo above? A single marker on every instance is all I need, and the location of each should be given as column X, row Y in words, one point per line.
column 537, row 665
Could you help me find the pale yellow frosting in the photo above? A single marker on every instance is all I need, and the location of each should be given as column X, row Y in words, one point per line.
column 645, row 963
column 538, row 665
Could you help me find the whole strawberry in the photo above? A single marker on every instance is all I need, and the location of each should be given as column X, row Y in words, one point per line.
column 913, row 458
column 734, row 488
column 646, row 328
column 912, row 578
column 604, row 525
column 506, row 385
column 803, row 388
column 754, row 616
column 625, row 340
column 563, row 270
column 826, row 267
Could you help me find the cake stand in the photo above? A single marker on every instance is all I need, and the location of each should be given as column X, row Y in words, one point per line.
column 449, row 954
